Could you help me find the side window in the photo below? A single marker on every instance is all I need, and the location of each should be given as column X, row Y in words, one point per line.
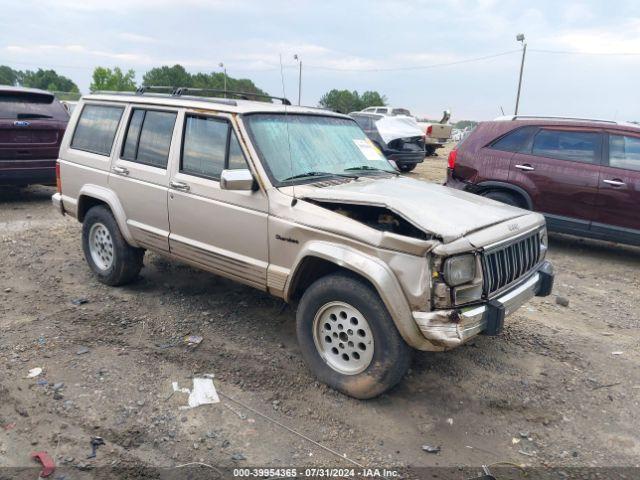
column 149, row 137
column 96, row 129
column 515, row 141
column 568, row 145
column 381, row 110
column 624, row 152
column 210, row 146
column 364, row 122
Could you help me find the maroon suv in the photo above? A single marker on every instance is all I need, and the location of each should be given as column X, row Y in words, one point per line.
column 583, row 175
column 32, row 123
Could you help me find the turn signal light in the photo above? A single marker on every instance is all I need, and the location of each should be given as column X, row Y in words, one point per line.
column 58, row 180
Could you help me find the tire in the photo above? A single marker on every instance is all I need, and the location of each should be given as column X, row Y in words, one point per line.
column 430, row 150
column 376, row 361
column 111, row 258
column 406, row 167
column 504, row 197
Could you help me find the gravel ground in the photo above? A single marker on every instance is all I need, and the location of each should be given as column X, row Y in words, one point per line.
column 560, row 387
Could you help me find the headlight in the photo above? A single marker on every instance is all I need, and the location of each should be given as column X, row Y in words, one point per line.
column 459, row 269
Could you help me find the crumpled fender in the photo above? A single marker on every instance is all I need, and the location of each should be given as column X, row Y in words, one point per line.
column 378, row 273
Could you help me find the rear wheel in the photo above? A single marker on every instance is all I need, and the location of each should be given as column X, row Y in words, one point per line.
column 406, row 167
column 348, row 338
column 430, row 150
column 504, row 197
column 111, row 258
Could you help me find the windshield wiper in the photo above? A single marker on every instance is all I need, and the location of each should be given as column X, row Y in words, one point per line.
column 318, row 174
column 368, row 168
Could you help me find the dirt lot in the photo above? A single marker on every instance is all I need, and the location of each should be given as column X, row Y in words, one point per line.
column 560, row 387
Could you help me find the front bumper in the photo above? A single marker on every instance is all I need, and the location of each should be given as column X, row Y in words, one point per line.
column 451, row 328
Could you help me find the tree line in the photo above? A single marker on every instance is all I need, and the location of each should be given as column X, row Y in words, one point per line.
column 116, row 79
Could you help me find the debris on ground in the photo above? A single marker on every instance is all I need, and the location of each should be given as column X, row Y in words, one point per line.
column 430, row 449
column 79, row 301
column 95, row 443
column 617, row 353
column 238, row 457
column 192, row 341
column 82, row 350
column 562, row 301
column 203, row 392
column 34, row 372
column 48, row 465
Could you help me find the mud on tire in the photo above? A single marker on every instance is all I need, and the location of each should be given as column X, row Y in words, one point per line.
column 390, row 356
column 111, row 258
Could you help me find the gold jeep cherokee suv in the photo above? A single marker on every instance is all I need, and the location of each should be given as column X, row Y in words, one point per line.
column 297, row 202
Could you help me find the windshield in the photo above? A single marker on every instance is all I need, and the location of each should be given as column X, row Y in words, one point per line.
column 24, row 106
column 298, row 147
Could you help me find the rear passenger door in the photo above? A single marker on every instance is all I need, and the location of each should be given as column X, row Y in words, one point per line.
column 559, row 168
column 223, row 231
column 618, row 204
column 139, row 173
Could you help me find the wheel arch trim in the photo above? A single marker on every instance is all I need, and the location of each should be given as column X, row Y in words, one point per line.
column 111, row 199
column 488, row 185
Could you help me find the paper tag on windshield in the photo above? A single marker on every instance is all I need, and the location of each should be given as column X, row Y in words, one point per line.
column 368, row 149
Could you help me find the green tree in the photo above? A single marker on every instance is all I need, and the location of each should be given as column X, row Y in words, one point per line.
column 165, row 76
column 115, row 80
column 345, row 101
column 462, row 124
column 47, row 80
column 9, row 76
column 177, row 76
column 372, row 99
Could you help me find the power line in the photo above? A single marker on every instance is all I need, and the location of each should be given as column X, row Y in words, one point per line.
column 414, row 67
column 569, row 52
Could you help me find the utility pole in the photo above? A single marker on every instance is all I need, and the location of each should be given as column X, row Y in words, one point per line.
column 221, row 65
column 295, row 57
column 520, row 38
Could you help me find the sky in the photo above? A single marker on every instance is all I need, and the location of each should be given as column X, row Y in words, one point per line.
column 583, row 57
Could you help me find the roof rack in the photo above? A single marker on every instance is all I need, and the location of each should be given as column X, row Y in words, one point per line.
column 207, row 92
column 551, row 117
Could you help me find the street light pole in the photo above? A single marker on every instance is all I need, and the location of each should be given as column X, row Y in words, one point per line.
column 299, row 77
column 221, row 65
column 520, row 38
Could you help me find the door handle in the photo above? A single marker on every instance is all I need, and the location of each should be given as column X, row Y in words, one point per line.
column 179, row 186
column 615, row 183
column 526, row 167
column 120, row 170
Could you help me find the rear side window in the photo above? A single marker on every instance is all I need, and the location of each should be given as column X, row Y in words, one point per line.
column 515, row 141
column 25, row 106
column 582, row 147
column 624, row 152
column 148, row 137
column 96, row 129
column 210, row 146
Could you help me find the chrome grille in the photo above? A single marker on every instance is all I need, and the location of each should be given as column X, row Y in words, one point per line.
column 505, row 264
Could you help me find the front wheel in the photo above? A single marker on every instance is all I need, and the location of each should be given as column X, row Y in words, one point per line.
column 406, row 167
column 348, row 338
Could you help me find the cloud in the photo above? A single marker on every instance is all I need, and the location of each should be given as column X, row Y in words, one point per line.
column 134, row 37
column 625, row 38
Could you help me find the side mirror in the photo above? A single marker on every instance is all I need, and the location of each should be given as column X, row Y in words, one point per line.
column 237, row 180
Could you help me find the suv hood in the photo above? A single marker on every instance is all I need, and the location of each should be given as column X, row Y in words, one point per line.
column 442, row 211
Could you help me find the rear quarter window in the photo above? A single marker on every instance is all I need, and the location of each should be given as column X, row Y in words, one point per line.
column 514, row 141
column 96, row 129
